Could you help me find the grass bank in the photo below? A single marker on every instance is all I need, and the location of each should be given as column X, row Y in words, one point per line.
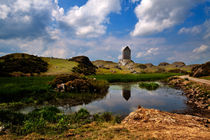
column 16, row 92
column 133, row 77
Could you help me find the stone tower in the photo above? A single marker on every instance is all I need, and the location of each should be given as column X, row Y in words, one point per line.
column 126, row 53
column 126, row 57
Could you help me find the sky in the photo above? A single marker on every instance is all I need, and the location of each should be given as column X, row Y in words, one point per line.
column 155, row 30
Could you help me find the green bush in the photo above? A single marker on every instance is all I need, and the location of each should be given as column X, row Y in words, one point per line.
column 149, row 85
column 106, row 116
column 47, row 113
column 36, row 125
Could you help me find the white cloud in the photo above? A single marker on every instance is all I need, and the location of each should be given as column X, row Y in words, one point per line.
column 200, row 49
column 202, row 30
column 89, row 19
column 4, row 11
column 133, row 1
column 156, row 15
column 149, row 52
column 25, row 18
column 193, row 30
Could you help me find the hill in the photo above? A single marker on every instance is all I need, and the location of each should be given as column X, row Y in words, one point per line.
column 20, row 62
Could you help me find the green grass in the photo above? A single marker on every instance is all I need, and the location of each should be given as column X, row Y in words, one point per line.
column 17, row 88
column 205, row 77
column 133, row 77
column 149, row 85
column 58, row 66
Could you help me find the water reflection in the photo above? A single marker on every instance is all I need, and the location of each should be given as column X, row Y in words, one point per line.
column 126, row 92
column 123, row 98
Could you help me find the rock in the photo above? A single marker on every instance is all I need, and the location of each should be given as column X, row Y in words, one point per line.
column 124, row 62
column 118, row 67
column 61, row 87
column 149, row 65
column 179, row 64
column 201, row 70
column 163, row 64
column 2, row 129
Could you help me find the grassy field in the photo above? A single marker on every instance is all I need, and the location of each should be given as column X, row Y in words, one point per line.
column 133, row 77
column 58, row 66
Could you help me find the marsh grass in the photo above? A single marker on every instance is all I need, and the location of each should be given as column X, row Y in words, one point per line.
column 149, row 85
column 133, row 77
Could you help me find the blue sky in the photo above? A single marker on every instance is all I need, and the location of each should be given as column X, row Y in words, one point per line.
column 156, row 30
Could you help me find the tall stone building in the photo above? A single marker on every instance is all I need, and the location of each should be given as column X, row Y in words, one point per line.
column 126, row 57
column 126, row 53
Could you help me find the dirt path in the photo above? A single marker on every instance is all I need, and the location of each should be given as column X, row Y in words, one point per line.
column 203, row 81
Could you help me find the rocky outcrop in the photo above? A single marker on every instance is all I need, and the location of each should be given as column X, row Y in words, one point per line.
column 163, row 64
column 85, row 65
column 179, row 64
column 201, row 70
column 124, row 62
column 198, row 94
column 149, row 65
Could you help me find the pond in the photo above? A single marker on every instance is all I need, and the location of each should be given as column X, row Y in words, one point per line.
column 123, row 98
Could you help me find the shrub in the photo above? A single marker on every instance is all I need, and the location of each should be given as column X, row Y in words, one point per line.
column 47, row 113
column 36, row 125
column 149, row 85
column 63, row 78
column 99, row 86
column 106, row 116
column 85, row 65
column 78, row 85
column 84, row 69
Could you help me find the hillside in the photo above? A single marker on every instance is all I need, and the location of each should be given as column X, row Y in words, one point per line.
column 58, row 66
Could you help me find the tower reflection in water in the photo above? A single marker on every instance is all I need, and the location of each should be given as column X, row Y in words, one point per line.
column 126, row 92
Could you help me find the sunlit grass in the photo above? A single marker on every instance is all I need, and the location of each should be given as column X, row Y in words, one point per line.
column 58, row 66
column 133, row 77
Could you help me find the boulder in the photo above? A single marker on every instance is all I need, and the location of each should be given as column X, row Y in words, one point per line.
column 201, row 70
